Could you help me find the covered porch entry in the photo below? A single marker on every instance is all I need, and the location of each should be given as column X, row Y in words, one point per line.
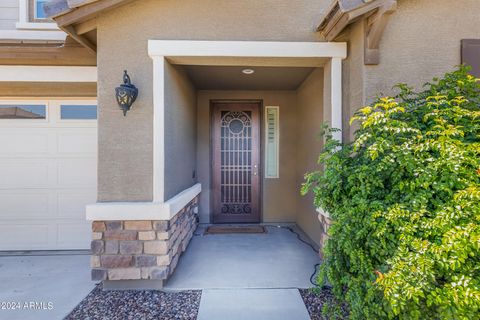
column 243, row 120
column 229, row 146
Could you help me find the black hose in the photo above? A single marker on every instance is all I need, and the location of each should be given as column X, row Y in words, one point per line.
column 312, row 281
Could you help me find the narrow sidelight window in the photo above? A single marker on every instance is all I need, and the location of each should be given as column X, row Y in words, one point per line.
column 272, row 115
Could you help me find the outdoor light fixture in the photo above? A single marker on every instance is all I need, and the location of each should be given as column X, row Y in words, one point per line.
column 248, row 71
column 126, row 94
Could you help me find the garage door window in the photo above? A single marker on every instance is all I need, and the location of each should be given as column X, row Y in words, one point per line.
column 23, row 111
column 78, row 112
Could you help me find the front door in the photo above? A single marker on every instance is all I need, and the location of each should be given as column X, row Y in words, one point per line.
column 236, row 162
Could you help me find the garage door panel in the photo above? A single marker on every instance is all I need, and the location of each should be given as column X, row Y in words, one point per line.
column 74, row 172
column 74, row 235
column 48, row 175
column 24, row 173
column 72, row 205
column 19, row 142
column 22, row 236
column 77, row 141
column 25, row 205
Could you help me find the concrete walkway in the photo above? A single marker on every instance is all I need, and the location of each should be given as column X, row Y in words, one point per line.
column 252, row 304
column 273, row 260
column 247, row 276
column 45, row 287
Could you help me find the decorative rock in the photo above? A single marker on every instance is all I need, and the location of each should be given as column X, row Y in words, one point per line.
column 99, row 274
column 97, row 235
column 111, row 247
column 120, row 235
column 173, row 264
column 116, row 261
column 114, row 225
column 164, row 235
column 161, row 225
column 124, row 274
column 95, row 261
column 138, row 225
column 145, row 273
column 163, row 260
column 98, row 226
column 155, row 247
column 160, row 273
column 146, row 235
column 96, row 246
column 145, row 261
column 131, row 247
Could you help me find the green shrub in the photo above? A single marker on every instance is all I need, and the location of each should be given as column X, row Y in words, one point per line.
column 405, row 200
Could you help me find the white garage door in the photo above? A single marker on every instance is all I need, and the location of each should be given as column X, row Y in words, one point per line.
column 48, row 173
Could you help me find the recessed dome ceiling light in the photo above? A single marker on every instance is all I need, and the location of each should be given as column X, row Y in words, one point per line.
column 248, row 71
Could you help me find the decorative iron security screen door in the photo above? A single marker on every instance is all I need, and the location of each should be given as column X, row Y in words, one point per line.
column 236, row 162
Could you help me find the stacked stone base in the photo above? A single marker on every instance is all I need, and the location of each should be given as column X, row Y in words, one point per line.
column 325, row 222
column 136, row 250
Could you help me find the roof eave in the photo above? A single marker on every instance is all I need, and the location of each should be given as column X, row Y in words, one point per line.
column 339, row 15
column 72, row 15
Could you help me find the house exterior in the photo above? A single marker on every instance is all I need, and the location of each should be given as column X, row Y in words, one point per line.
column 231, row 100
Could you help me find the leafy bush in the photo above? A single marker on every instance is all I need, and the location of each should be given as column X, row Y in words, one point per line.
column 405, row 200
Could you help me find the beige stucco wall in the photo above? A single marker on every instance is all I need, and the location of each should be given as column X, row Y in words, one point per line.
column 421, row 41
column 125, row 144
column 310, row 117
column 353, row 75
column 180, row 131
column 278, row 195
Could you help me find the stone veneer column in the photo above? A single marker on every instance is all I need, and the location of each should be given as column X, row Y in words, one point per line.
column 325, row 222
column 136, row 250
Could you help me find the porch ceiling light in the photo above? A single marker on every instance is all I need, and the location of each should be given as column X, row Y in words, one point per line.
column 248, row 71
column 126, row 93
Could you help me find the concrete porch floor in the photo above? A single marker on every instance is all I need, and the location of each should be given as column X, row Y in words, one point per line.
column 274, row 260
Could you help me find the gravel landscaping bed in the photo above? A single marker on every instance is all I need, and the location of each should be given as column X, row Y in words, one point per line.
column 131, row 304
column 315, row 300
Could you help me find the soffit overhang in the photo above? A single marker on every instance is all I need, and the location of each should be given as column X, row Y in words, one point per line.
column 68, row 53
column 78, row 17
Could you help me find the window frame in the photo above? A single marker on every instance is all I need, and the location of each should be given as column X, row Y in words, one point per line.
column 82, row 103
column 25, row 23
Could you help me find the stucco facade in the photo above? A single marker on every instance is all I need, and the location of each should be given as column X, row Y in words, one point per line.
column 140, row 21
column 421, row 40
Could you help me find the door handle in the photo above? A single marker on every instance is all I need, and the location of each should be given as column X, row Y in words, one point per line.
column 255, row 170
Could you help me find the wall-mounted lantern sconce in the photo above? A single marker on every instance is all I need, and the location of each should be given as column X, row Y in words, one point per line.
column 126, row 94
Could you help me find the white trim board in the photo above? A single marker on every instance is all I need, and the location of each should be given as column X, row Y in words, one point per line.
column 108, row 211
column 256, row 49
column 37, row 26
column 47, row 74
column 45, row 35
